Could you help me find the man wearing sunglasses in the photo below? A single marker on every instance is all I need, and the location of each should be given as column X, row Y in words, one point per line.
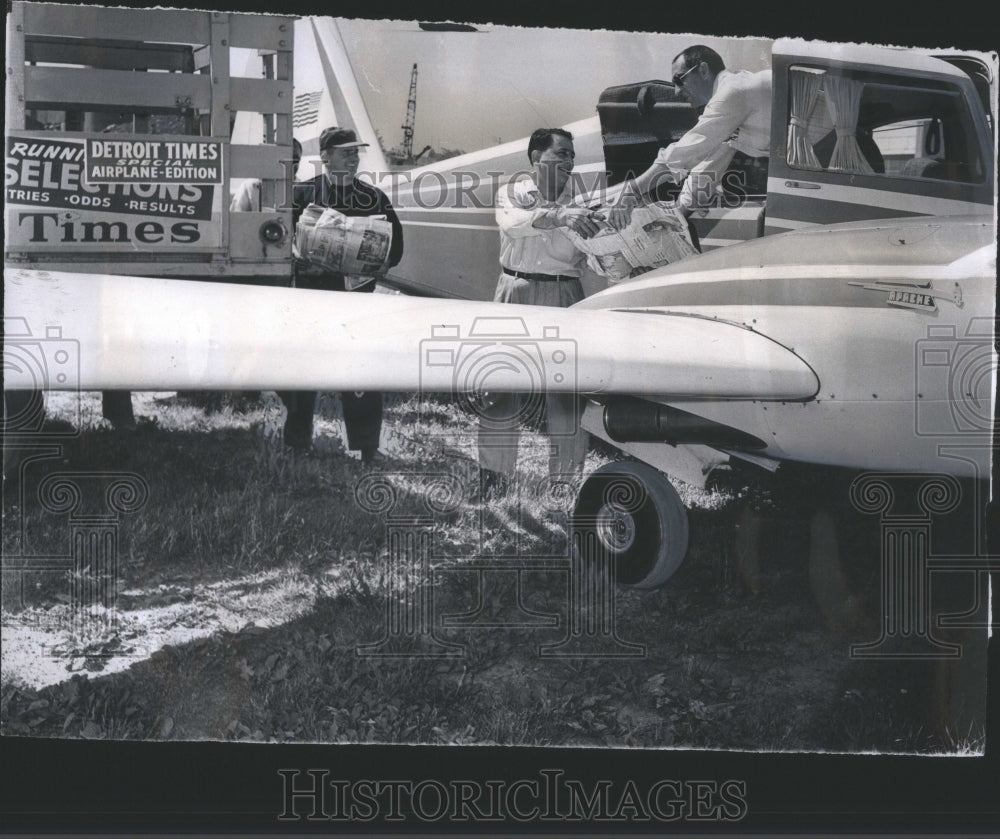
column 736, row 120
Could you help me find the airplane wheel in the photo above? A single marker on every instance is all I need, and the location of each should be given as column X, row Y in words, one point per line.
column 637, row 516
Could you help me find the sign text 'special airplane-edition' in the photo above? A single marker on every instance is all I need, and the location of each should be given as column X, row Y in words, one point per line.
column 844, row 318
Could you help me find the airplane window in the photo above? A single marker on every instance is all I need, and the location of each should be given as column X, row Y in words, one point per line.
column 913, row 148
column 893, row 129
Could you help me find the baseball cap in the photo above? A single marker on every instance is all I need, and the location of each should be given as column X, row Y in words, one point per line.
column 339, row 138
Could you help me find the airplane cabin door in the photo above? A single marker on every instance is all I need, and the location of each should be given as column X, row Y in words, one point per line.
column 853, row 142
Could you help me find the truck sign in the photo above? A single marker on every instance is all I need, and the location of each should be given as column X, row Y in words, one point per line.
column 154, row 161
column 119, row 151
column 58, row 193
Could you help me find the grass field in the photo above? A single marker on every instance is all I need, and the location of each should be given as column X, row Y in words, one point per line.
column 250, row 582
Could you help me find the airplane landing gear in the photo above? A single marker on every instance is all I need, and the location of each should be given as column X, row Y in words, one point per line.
column 630, row 511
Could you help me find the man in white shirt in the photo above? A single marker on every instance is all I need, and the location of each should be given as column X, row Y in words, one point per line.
column 736, row 120
column 246, row 199
column 540, row 266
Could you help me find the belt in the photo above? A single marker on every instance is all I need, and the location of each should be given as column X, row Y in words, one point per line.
column 544, row 278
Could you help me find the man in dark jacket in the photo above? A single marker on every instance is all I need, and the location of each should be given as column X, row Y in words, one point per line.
column 337, row 187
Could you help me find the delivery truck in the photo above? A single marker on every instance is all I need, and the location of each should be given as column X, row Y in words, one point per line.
column 118, row 142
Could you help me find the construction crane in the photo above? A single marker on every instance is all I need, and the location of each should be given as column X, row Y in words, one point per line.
column 411, row 116
column 403, row 155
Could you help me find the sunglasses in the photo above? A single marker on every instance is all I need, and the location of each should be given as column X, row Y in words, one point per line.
column 679, row 80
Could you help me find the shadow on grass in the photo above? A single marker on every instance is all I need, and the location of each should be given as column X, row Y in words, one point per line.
column 736, row 656
column 220, row 503
column 722, row 669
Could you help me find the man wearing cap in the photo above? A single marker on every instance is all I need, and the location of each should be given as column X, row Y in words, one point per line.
column 337, row 187
column 540, row 266
column 736, row 121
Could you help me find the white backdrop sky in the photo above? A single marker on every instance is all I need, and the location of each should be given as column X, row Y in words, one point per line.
column 480, row 88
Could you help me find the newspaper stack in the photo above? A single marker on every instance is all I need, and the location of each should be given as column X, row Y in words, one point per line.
column 657, row 235
column 355, row 246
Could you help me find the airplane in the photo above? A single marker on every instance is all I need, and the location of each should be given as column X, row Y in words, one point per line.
column 884, row 360
column 914, row 105
column 866, row 344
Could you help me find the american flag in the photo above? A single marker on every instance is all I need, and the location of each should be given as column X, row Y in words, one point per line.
column 306, row 109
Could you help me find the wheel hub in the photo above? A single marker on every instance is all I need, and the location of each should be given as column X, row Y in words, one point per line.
column 616, row 528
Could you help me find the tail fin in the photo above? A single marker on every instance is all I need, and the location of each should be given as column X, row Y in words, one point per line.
column 327, row 92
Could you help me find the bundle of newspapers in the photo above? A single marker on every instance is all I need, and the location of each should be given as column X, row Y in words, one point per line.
column 355, row 246
column 656, row 235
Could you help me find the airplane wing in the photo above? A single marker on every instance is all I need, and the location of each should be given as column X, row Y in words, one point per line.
column 153, row 334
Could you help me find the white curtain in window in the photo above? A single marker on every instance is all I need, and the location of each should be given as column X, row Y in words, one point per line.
column 805, row 91
column 843, row 101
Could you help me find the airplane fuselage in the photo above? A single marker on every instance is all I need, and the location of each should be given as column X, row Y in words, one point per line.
column 894, row 318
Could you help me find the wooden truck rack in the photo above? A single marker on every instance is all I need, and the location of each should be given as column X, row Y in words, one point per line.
column 100, row 98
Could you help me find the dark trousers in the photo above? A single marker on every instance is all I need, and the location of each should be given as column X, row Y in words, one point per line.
column 754, row 171
column 362, row 411
column 362, row 417
column 24, row 410
column 117, row 408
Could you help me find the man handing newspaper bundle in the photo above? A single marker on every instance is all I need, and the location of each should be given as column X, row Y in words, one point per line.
column 657, row 234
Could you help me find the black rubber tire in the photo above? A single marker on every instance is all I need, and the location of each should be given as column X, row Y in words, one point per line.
column 640, row 519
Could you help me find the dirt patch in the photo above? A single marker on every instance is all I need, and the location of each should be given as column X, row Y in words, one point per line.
column 252, row 606
column 41, row 649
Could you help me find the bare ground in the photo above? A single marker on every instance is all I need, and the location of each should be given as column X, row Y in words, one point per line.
column 251, row 580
